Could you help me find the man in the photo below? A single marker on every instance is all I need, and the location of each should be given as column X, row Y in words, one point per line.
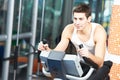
column 82, row 31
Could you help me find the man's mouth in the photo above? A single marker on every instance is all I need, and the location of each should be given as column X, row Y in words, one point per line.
column 79, row 26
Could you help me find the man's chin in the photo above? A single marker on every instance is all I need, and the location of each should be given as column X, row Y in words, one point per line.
column 79, row 29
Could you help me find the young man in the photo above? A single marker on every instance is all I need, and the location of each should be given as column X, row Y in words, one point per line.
column 83, row 31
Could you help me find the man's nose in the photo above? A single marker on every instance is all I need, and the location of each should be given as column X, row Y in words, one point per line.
column 77, row 21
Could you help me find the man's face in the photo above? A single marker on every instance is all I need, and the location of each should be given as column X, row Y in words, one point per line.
column 80, row 20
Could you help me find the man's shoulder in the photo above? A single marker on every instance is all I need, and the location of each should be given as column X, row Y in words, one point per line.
column 69, row 27
column 98, row 26
column 100, row 31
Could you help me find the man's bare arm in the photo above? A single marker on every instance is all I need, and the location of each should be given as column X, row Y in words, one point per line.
column 65, row 38
column 100, row 46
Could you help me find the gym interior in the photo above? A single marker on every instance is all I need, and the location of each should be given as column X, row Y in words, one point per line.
column 24, row 23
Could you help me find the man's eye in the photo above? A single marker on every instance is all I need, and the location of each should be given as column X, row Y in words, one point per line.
column 80, row 18
column 75, row 18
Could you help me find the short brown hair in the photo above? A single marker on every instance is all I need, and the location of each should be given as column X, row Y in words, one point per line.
column 83, row 8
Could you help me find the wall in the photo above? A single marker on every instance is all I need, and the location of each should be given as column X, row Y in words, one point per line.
column 114, row 39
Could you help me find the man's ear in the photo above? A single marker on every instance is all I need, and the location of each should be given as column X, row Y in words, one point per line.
column 89, row 18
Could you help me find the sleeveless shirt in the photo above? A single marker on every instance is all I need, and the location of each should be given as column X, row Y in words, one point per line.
column 89, row 44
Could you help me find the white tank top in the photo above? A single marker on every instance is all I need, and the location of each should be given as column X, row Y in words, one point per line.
column 89, row 44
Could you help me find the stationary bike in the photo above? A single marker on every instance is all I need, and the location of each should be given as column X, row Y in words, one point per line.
column 62, row 66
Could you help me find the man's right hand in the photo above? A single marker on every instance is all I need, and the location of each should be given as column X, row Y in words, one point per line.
column 43, row 47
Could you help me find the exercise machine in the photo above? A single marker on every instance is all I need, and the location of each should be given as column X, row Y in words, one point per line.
column 63, row 66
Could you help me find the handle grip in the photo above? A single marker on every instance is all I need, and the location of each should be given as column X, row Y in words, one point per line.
column 88, row 60
column 44, row 42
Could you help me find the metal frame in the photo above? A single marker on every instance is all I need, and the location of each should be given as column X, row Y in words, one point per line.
column 8, row 38
column 32, row 41
column 9, row 27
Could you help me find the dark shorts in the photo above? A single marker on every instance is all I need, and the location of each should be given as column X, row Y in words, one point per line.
column 101, row 73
